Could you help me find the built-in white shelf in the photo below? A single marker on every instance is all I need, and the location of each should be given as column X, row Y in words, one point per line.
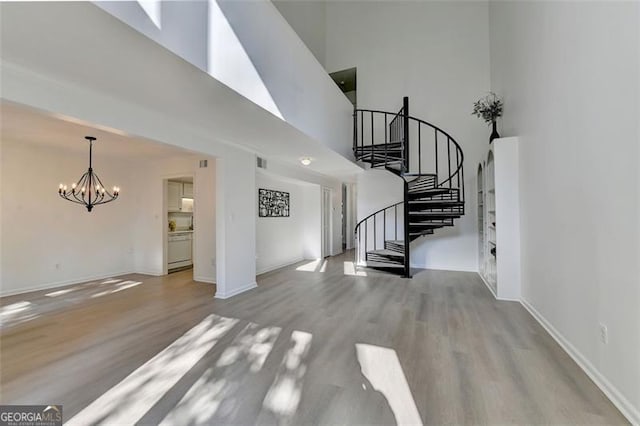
column 498, row 219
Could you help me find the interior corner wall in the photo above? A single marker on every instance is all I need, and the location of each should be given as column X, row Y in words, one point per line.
column 49, row 242
column 437, row 53
column 569, row 73
column 308, row 19
column 280, row 240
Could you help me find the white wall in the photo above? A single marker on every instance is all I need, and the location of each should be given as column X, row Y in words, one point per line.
column 183, row 26
column 303, row 91
column 312, row 222
column 151, row 219
column 47, row 241
column 280, row 240
column 310, row 177
column 235, row 223
column 377, row 189
column 569, row 74
column 308, row 20
column 445, row 46
column 204, row 221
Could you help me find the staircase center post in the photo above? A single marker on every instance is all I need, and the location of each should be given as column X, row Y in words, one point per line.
column 407, row 240
column 407, row 236
column 405, row 129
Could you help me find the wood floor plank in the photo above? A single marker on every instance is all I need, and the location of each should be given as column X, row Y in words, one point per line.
column 292, row 356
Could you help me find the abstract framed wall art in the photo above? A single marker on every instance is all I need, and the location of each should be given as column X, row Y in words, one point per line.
column 273, row 203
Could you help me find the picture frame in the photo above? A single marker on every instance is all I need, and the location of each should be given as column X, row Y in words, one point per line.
column 273, row 203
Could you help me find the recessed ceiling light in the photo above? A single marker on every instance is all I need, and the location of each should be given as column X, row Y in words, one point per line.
column 305, row 161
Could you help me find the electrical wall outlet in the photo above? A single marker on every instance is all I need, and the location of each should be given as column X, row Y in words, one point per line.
column 604, row 334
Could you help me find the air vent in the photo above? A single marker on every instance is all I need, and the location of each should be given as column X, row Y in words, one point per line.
column 204, row 163
column 262, row 163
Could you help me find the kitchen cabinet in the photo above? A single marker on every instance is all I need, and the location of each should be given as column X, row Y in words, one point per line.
column 187, row 190
column 177, row 191
column 180, row 250
column 174, row 196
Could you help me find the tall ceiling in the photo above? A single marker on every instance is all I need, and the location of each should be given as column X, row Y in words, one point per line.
column 82, row 47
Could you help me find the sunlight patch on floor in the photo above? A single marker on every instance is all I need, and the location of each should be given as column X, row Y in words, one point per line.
column 213, row 393
column 61, row 292
column 129, row 400
column 382, row 368
column 350, row 269
column 318, row 265
column 284, row 395
column 118, row 287
column 110, row 281
column 252, row 345
column 10, row 311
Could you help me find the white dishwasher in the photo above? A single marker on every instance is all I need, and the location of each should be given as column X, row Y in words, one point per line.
column 179, row 250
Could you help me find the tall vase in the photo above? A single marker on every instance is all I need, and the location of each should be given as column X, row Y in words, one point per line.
column 494, row 133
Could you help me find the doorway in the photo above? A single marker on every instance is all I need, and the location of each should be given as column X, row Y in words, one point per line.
column 347, row 82
column 326, row 222
column 178, row 233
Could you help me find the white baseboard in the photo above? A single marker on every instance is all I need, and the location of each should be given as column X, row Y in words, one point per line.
column 623, row 404
column 488, row 286
column 204, row 280
column 152, row 273
column 63, row 283
column 220, row 295
column 282, row 265
column 414, row 265
column 504, row 299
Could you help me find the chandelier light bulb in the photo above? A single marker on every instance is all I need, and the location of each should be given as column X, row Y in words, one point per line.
column 61, row 186
column 73, row 186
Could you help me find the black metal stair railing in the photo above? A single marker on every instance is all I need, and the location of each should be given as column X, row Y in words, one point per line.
column 376, row 134
column 373, row 230
column 425, row 156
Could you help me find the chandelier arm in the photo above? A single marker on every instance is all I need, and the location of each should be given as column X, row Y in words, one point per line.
column 102, row 185
column 106, row 200
column 79, row 185
column 71, row 199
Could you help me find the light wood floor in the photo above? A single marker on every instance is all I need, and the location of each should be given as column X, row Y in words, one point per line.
column 305, row 347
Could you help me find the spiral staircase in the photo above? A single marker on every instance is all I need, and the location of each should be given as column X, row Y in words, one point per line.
column 429, row 162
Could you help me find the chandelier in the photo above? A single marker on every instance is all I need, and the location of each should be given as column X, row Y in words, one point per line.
column 89, row 190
